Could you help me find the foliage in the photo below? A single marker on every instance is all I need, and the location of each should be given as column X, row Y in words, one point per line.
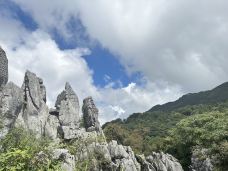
column 208, row 130
column 177, row 131
column 20, row 149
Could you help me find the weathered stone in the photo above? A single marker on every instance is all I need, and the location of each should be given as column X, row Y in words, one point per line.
column 68, row 132
column 11, row 101
column 164, row 162
column 145, row 165
column 200, row 160
column 3, row 68
column 123, row 157
column 67, row 107
column 117, row 151
column 51, row 127
column 35, row 110
column 67, row 160
column 90, row 115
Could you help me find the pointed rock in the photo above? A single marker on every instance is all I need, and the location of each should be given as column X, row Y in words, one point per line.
column 3, row 68
column 90, row 115
column 67, row 107
column 35, row 110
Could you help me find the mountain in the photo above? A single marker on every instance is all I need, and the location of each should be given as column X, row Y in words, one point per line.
column 35, row 137
column 216, row 95
column 199, row 118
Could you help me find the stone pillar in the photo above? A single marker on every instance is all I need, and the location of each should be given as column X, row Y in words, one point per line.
column 3, row 68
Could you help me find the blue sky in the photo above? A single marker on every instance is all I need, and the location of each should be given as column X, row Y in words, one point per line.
column 128, row 55
column 103, row 63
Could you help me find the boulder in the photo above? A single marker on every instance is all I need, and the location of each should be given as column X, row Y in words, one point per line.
column 3, row 68
column 90, row 115
column 11, row 101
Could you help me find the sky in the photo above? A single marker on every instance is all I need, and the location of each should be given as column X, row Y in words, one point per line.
column 128, row 55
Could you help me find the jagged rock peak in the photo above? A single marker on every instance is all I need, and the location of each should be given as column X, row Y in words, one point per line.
column 90, row 115
column 67, row 107
column 34, row 87
column 3, row 68
column 35, row 111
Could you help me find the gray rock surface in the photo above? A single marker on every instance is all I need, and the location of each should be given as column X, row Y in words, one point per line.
column 159, row 162
column 67, row 106
column 67, row 112
column 3, row 68
column 90, row 115
column 68, row 160
column 200, row 161
column 35, row 111
column 51, row 127
column 11, row 101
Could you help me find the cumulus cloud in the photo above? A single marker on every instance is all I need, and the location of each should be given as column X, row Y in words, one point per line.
column 178, row 46
column 118, row 103
column 181, row 42
column 38, row 52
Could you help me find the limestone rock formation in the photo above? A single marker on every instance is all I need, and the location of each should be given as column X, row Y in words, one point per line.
column 90, row 115
column 67, row 107
column 11, row 101
column 68, row 160
column 159, row 161
column 67, row 112
column 3, row 68
column 200, row 161
column 27, row 107
column 35, row 111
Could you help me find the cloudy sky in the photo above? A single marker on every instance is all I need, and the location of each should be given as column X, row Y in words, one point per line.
column 129, row 55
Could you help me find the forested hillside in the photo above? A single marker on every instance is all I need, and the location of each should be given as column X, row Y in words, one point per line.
column 194, row 125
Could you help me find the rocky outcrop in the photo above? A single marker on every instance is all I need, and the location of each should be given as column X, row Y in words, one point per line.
column 68, row 160
column 159, row 161
column 3, row 68
column 27, row 107
column 67, row 107
column 35, row 111
column 200, row 160
column 11, row 101
column 90, row 115
column 67, row 112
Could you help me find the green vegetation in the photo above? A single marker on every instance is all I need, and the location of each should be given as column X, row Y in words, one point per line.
column 203, row 131
column 19, row 151
column 193, row 122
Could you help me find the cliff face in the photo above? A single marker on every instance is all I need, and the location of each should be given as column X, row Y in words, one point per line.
column 3, row 68
column 26, row 107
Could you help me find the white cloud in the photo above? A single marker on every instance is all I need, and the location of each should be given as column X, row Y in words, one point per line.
column 37, row 52
column 181, row 42
column 134, row 98
column 178, row 46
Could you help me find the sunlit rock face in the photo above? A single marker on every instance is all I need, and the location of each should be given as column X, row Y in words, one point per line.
column 90, row 115
column 3, row 68
column 11, row 103
column 67, row 107
column 35, row 111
